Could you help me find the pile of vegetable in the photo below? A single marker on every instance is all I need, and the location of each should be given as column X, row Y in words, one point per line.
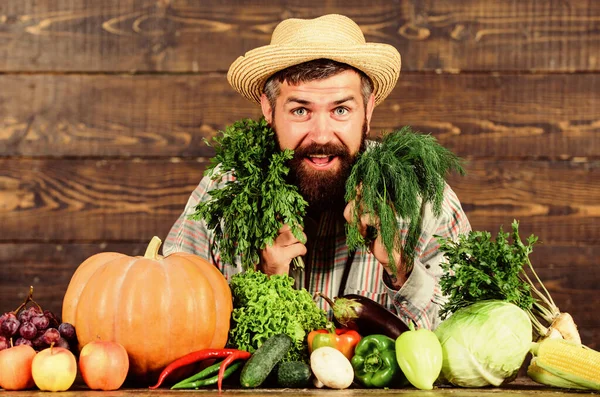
column 265, row 306
column 499, row 306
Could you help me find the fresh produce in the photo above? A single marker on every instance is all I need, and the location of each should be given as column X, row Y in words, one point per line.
column 146, row 303
column 365, row 315
column 264, row 359
column 375, row 363
column 239, row 355
column 15, row 368
column 292, row 374
column 265, row 306
column 342, row 339
column 478, row 268
column 562, row 363
column 247, row 213
column 484, row 343
column 419, row 356
column 207, row 376
column 54, row 369
column 539, row 375
column 103, row 365
column 192, row 358
column 30, row 325
column 395, row 179
column 331, row 368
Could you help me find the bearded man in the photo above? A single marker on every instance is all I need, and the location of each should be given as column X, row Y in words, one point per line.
column 317, row 83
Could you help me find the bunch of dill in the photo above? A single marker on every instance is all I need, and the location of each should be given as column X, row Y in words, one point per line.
column 396, row 178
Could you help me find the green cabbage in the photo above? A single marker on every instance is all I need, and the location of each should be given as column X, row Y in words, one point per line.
column 484, row 344
column 265, row 306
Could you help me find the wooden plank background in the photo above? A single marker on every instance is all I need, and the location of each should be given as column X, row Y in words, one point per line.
column 105, row 103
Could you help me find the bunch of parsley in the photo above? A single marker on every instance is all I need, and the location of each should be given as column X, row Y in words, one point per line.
column 478, row 267
column 246, row 213
column 396, row 178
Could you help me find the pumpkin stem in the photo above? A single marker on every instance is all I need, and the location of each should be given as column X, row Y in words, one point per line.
column 152, row 250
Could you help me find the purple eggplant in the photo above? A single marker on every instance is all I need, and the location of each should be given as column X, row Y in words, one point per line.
column 365, row 316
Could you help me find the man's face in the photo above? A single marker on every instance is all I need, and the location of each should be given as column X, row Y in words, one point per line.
column 325, row 122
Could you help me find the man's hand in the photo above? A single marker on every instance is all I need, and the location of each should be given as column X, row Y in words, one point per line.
column 275, row 259
column 377, row 247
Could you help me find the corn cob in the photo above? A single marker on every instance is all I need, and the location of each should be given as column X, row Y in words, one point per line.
column 569, row 361
column 544, row 377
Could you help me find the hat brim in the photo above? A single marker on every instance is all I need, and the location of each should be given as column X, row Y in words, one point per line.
column 381, row 62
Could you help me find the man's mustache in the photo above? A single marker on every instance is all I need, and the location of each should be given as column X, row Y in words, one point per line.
column 330, row 149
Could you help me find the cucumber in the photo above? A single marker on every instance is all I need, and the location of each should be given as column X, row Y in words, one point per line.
column 264, row 359
column 293, row 374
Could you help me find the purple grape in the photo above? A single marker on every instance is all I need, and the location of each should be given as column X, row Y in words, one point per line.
column 40, row 321
column 38, row 343
column 51, row 335
column 23, row 341
column 5, row 316
column 4, row 343
column 24, row 315
column 10, row 326
column 51, row 318
column 28, row 330
column 67, row 331
column 35, row 311
column 61, row 342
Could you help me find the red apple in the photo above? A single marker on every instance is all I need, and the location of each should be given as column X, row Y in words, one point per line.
column 54, row 369
column 15, row 368
column 103, row 365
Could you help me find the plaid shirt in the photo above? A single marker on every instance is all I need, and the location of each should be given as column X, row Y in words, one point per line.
column 419, row 299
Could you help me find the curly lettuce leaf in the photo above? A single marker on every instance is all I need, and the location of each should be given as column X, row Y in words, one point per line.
column 265, row 306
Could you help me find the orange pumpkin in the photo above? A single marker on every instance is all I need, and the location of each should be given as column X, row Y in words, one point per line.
column 158, row 308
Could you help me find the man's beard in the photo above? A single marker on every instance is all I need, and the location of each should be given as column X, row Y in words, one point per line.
column 324, row 190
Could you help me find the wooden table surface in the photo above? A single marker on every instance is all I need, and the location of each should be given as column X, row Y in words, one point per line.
column 520, row 387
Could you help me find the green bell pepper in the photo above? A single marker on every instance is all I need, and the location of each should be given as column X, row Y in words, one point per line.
column 375, row 363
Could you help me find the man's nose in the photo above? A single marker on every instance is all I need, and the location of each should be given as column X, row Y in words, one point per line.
column 321, row 130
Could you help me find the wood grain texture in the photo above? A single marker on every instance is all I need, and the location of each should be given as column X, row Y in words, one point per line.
column 499, row 116
column 192, row 36
column 132, row 200
column 60, row 200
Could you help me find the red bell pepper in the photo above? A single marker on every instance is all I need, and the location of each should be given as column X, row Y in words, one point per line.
column 342, row 339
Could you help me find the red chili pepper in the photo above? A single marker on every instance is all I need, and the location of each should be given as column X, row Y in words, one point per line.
column 239, row 355
column 192, row 358
column 342, row 339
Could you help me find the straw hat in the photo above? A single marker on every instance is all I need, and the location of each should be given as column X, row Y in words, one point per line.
column 332, row 36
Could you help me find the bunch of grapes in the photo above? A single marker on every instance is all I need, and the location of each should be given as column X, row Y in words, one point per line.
column 30, row 325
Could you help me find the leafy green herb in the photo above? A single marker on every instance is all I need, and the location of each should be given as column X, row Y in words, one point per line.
column 246, row 214
column 478, row 268
column 265, row 306
column 397, row 177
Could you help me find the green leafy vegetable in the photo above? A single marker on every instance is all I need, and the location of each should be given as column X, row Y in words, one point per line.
column 478, row 268
column 397, row 177
column 265, row 306
column 484, row 343
column 246, row 214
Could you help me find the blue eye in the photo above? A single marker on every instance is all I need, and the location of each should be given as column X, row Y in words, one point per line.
column 299, row 112
column 341, row 111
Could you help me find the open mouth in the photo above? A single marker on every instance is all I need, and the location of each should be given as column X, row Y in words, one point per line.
column 321, row 160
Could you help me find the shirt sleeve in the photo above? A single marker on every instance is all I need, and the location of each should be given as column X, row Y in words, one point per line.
column 193, row 236
column 420, row 298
